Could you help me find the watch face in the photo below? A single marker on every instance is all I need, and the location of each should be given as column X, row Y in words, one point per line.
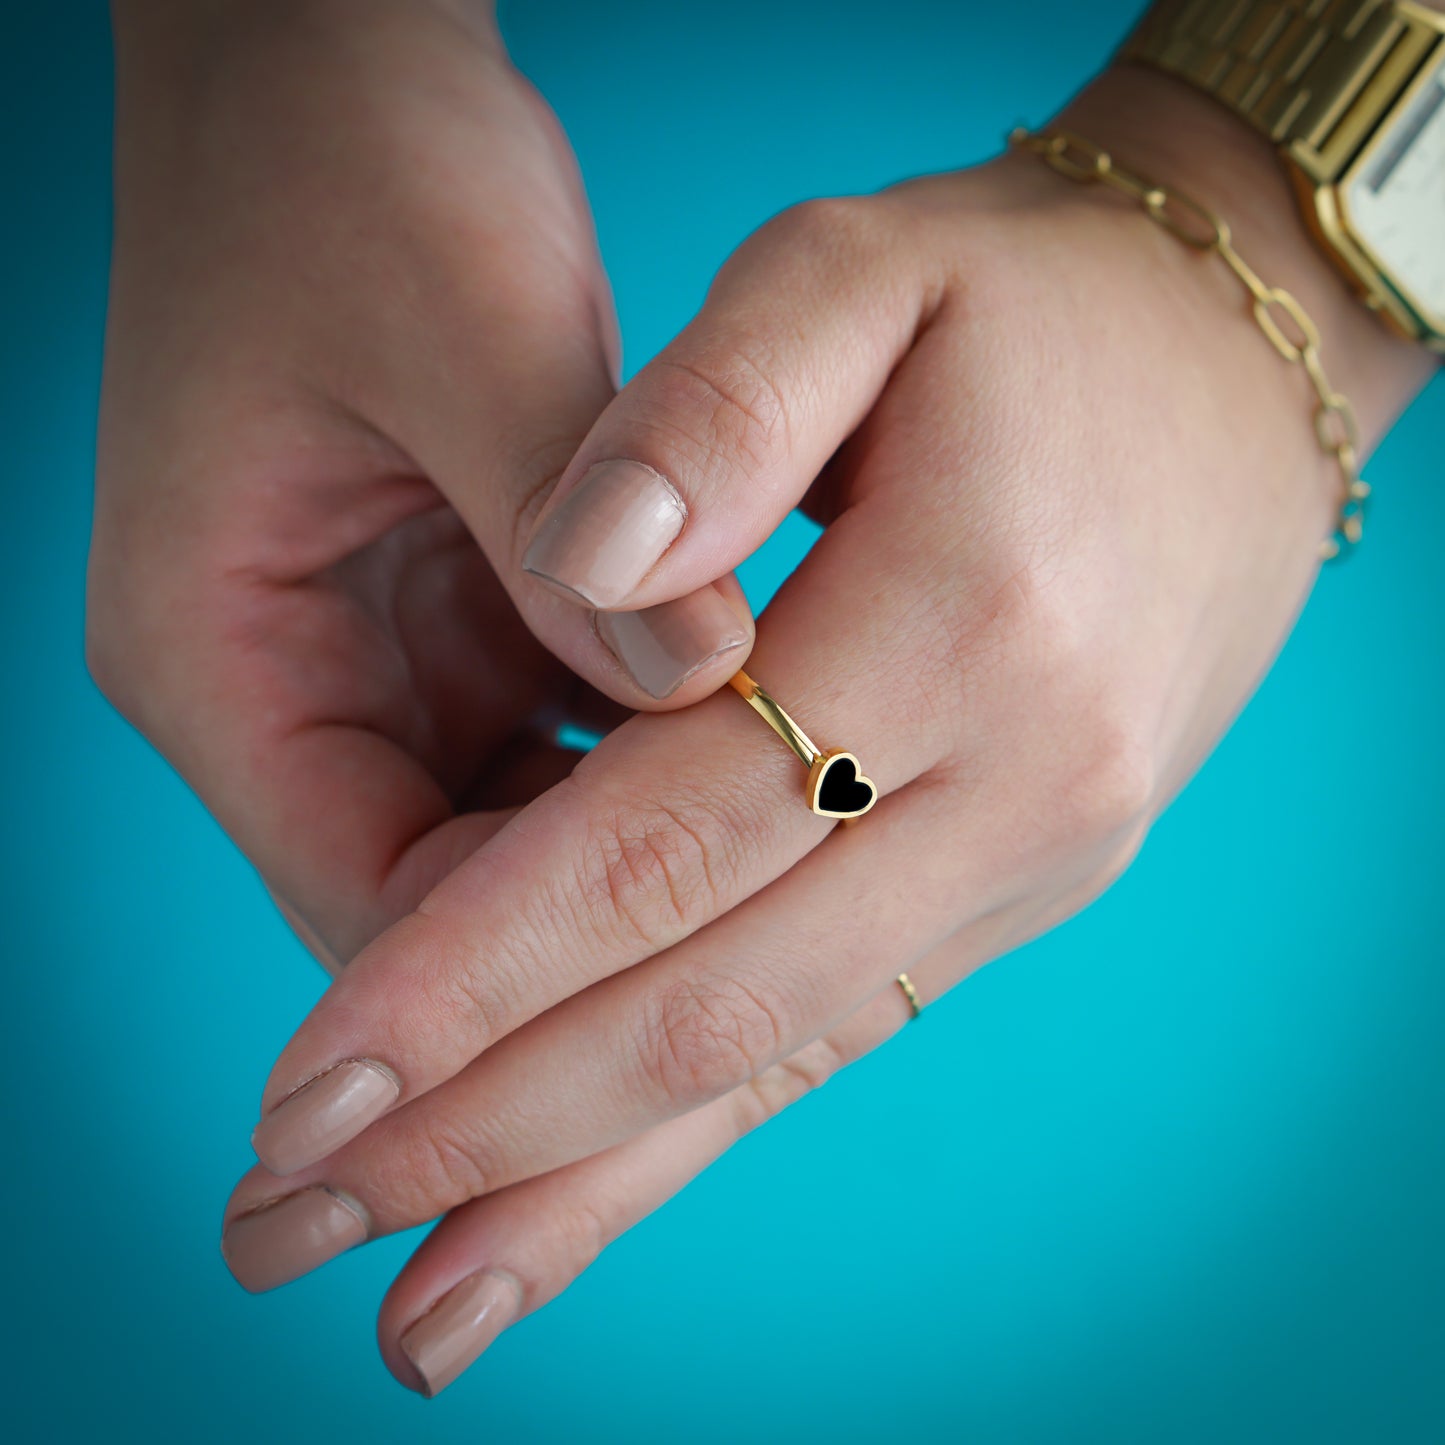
column 1394, row 197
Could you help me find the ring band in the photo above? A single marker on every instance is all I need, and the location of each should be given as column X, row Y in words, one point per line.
column 836, row 787
column 911, row 994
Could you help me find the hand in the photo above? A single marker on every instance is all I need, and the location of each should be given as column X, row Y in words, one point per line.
column 358, row 326
column 1074, row 502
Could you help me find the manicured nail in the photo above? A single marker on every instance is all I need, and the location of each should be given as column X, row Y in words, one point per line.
column 459, row 1326
column 323, row 1114
column 282, row 1241
column 665, row 645
column 608, row 534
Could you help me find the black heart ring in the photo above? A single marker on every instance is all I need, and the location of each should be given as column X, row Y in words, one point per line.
column 836, row 787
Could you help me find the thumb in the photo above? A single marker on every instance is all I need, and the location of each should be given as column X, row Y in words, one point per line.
column 517, row 379
column 700, row 457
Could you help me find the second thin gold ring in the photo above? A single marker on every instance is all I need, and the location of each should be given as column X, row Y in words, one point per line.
column 836, row 787
column 911, row 994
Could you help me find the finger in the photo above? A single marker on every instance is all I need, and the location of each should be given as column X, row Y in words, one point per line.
column 572, row 1082
column 552, row 1094
column 496, row 1259
column 667, row 824
column 707, row 449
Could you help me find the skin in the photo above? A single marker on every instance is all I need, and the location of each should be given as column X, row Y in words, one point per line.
column 1073, row 505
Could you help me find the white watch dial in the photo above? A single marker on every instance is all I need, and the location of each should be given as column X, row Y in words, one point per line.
column 1395, row 200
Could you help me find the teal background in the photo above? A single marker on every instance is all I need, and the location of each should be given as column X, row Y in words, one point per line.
column 1173, row 1173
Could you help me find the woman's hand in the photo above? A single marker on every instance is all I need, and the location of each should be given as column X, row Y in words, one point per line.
column 358, row 326
column 1073, row 503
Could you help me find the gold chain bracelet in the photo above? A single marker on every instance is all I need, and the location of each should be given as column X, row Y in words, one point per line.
column 1281, row 318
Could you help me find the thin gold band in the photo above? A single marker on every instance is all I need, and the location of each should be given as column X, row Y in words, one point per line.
column 772, row 714
column 911, row 994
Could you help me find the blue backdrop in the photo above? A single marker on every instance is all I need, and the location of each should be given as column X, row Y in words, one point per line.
column 1173, row 1173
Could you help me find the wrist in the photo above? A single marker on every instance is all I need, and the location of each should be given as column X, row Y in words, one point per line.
column 154, row 33
column 1159, row 126
column 180, row 64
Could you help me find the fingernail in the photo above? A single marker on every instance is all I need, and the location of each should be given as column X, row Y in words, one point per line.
column 323, row 1114
column 608, row 534
column 665, row 645
column 459, row 1326
column 282, row 1241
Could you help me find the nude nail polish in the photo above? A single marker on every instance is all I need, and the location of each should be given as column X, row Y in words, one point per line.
column 459, row 1326
column 608, row 533
column 663, row 646
column 325, row 1112
column 282, row 1241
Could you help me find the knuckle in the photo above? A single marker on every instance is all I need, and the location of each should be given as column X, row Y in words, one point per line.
column 1112, row 786
column 1099, row 779
column 653, row 871
column 700, row 1038
column 831, row 229
column 1036, row 605
column 739, row 409
column 769, row 1092
column 456, row 993
column 582, row 1233
column 1008, row 610
column 1125, row 851
column 429, row 1166
column 1111, row 861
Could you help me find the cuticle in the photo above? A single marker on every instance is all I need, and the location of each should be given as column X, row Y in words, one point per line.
column 677, row 497
column 666, row 481
column 346, row 1200
column 570, row 594
column 349, row 1201
column 499, row 1271
column 697, row 667
column 331, row 1069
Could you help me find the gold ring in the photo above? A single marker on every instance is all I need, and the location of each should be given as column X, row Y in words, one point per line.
column 836, row 787
column 911, row 994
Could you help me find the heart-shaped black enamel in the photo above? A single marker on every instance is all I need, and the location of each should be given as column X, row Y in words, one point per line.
column 841, row 790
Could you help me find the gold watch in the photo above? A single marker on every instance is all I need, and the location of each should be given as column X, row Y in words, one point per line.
column 1353, row 94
